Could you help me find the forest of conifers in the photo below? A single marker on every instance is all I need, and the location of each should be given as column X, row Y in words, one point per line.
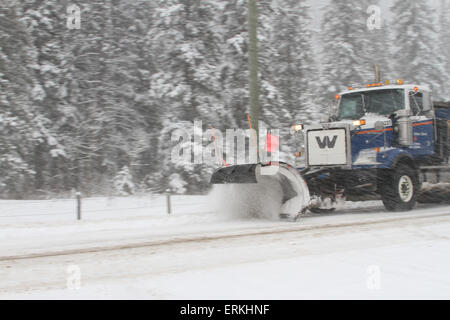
column 92, row 108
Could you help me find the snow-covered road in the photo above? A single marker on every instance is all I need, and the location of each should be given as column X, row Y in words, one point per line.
column 137, row 251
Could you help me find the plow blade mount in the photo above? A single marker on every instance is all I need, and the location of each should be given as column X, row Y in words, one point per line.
column 276, row 176
column 245, row 173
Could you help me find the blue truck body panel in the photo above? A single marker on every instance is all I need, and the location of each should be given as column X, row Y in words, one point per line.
column 443, row 113
column 369, row 139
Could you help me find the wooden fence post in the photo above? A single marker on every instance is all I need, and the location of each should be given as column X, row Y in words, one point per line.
column 78, row 194
column 169, row 202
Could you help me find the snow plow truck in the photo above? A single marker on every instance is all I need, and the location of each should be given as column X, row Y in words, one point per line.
column 384, row 141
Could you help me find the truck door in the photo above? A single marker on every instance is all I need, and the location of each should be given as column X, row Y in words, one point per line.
column 422, row 125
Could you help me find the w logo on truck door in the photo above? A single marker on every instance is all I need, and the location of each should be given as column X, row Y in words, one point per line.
column 326, row 142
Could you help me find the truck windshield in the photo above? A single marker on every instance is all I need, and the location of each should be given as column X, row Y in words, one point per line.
column 354, row 106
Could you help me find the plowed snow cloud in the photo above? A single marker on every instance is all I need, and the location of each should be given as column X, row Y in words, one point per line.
column 261, row 200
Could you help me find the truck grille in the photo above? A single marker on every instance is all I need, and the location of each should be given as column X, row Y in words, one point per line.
column 327, row 147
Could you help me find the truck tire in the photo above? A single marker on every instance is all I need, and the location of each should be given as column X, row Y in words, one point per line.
column 400, row 189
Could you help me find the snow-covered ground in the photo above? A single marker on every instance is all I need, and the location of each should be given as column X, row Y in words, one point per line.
column 130, row 248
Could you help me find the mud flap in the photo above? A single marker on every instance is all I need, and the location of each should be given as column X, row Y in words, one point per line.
column 296, row 197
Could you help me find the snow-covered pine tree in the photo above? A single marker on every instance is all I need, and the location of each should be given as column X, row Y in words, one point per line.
column 376, row 46
column 343, row 27
column 105, row 112
column 187, row 42
column 417, row 58
column 291, row 68
column 233, row 63
column 183, row 42
column 123, row 182
column 288, row 70
column 176, row 184
column 46, row 31
column 120, row 110
column 23, row 131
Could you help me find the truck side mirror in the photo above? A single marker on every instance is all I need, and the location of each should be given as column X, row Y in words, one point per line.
column 427, row 105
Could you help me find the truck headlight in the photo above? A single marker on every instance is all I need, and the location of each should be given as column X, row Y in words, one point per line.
column 359, row 123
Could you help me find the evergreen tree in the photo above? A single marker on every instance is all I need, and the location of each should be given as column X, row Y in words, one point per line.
column 290, row 69
column 416, row 58
column 24, row 129
column 79, row 105
column 184, row 44
column 123, row 182
column 444, row 47
column 185, row 86
column 350, row 48
column 233, row 64
column 376, row 46
column 343, row 55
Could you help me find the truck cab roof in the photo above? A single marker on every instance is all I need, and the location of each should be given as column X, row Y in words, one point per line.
column 384, row 87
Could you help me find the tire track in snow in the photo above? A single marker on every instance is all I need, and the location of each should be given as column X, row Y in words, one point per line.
column 223, row 236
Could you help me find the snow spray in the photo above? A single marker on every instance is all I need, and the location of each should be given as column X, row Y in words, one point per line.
column 247, row 201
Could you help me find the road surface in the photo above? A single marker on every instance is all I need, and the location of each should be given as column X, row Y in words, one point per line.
column 360, row 252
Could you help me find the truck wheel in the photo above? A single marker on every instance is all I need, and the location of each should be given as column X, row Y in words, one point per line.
column 401, row 188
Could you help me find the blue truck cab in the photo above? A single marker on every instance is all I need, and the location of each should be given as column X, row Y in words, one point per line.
column 382, row 142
